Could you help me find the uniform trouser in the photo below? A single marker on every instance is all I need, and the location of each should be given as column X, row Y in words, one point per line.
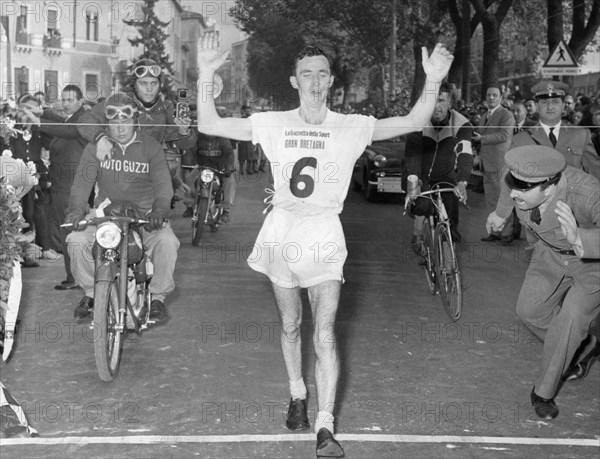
column 162, row 246
column 60, row 204
column 492, row 164
column 229, row 186
column 560, row 318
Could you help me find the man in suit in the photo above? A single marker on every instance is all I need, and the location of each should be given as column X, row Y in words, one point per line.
column 494, row 136
column 66, row 147
column 560, row 296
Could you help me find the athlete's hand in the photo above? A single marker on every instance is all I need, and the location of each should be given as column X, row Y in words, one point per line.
column 437, row 65
column 209, row 58
column 104, row 149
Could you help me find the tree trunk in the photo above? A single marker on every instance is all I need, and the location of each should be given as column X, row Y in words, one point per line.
column 491, row 50
column 465, row 34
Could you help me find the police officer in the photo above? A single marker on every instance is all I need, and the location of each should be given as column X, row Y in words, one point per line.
column 560, row 296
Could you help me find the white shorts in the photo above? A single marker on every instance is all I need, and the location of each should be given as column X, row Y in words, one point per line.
column 299, row 251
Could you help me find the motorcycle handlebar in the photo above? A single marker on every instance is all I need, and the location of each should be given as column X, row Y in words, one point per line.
column 96, row 220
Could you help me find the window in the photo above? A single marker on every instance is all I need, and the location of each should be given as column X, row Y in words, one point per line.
column 91, row 24
column 91, row 89
column 22, row 80
column 51, row 85
column 22, row 21
column 52, row 21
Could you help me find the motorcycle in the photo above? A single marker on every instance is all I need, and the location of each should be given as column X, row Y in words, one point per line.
column 208, row 207
column 122, row 274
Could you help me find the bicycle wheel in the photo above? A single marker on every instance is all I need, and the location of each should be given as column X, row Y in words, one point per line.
column 447, row 272
column 200, row 210
column 107, row 339
column 428, row 254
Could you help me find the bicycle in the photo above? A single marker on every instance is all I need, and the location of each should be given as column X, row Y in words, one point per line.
column 439, row 252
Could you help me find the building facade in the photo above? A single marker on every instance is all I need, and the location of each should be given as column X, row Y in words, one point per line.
column 45, row 45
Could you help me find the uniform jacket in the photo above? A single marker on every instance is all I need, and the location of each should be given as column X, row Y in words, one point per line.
column 156, row 121
column 139, row 176
column 574, row 143
column 66, row 147
column 581, row 192
column 215, row 152
column 435, row 146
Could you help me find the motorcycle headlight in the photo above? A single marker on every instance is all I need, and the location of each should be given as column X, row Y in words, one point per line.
column 380, row 160
column 108, row 235
column 207, row 175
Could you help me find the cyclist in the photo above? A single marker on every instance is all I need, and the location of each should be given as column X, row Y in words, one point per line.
column 442, row 152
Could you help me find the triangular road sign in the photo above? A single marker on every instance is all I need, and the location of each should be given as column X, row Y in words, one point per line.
column 561, row 56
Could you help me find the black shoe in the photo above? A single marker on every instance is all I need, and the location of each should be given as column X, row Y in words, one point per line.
column 417, row 244
column 225, row 216
column 456, row 236
column 327, row 446
column 189, row 212
column 29, row 263
column 506, row 240
column 158, row 312
column 66, row 285
column 491, row 238
column 581, row 369
column 544, row 408
column 297, row 417
column 84, row 309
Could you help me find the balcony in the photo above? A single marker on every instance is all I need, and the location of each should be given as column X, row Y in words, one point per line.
column 23, row 42
column 53, row 43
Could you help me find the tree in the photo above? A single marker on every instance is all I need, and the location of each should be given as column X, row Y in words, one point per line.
column 152, row 37
column 582, row 34
column 491, row 21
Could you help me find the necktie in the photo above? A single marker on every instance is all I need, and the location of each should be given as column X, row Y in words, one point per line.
column 552, row 137
column 516, row 130
column 535, row 215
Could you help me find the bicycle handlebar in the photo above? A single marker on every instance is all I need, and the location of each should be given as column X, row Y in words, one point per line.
column 425, row 194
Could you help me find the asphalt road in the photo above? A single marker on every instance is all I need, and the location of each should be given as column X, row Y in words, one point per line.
column 212, row 382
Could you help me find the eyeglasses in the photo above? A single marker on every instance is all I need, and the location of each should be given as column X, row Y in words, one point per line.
column 143, row 70
column 125, row 111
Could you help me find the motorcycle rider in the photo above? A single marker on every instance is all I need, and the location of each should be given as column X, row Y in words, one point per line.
column 136, row 175
column 156, row 117
column 215, row 152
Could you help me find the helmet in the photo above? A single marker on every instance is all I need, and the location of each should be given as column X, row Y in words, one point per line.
column 146, row 67
column 120, row 106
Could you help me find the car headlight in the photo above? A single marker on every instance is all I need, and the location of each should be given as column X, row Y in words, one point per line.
column 108, row 235
column 207, row 175
column 380, row 161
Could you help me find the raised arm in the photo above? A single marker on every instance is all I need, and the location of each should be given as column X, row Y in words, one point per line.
column 209, row 121
column 436, row 68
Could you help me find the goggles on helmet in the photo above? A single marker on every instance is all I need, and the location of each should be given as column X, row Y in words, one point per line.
column 123, row 112
column 143, row 70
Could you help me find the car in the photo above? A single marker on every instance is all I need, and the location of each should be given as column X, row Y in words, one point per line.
column 379, row 169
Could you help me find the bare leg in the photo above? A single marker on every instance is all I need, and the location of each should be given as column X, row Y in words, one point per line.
column 324, row 299
column 289, row 306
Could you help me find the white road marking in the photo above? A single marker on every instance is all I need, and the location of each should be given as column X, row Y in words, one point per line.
column 379, row 438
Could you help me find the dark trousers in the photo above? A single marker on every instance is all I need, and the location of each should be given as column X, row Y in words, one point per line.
column 36, row 212
column 60, row 204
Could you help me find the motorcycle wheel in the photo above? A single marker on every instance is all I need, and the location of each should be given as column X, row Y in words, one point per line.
column 201, row 212
column 108, row 341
